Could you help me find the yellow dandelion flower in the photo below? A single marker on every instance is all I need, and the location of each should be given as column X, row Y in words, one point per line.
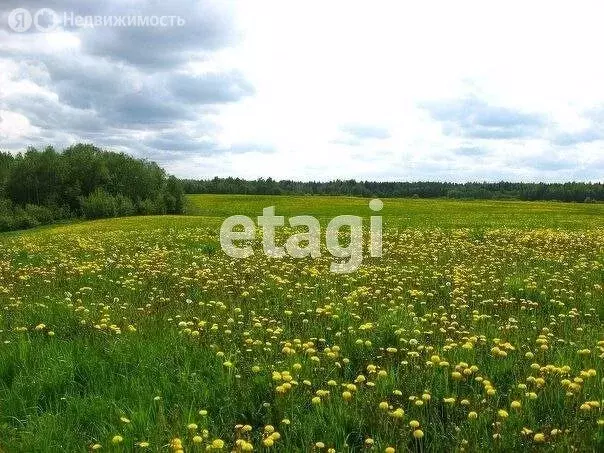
column 418, row 434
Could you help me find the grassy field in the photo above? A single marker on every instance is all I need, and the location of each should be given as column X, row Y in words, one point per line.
column 411, row 213
column 480, row 329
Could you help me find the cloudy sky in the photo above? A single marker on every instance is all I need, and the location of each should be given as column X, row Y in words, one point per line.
column 316, row 90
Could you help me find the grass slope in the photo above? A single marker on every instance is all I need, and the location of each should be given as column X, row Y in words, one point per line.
column 141, row 328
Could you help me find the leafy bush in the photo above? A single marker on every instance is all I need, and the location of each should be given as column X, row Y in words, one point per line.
column 124, row 206
column 173, row 197
column 82, row 180
column 149, row 207
column 16, row 218
column 99, row 204
column 23, row 220
column 42, row 214
column 7, row 222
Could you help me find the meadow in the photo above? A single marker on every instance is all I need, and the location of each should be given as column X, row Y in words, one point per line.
column 479, row 329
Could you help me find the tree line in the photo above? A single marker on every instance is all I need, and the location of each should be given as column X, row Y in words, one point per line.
column 42, row 186
column 570, row 191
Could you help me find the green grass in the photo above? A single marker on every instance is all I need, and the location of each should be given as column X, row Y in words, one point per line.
column 410, row 213
column 145, row 307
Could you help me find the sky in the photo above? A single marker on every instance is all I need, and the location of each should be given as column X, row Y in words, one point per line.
column 315, row 90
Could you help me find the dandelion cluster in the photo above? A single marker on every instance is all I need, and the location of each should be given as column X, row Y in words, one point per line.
column 135, row 336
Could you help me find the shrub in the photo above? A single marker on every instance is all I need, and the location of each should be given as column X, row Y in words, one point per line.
column 149, row 206
column 42, row 214
column 99, row 204
column 7, row 222
column 124, row 206
column 23, row 220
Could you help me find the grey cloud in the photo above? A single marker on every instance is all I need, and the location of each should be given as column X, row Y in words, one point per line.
column 210, row 88
column 112, row 96
column 546, row 161
column 355, row 134
column 88, row 82
column 127, row 96
column 474, row 118
column 59, row 6
column 470, row 151
column 551, row 164
column 594, row 132
column 248, row 147
column 576, row 138
column 180, row 141
column 48, row 114
column 208, row 27
column 126, row 80
column 146, row 108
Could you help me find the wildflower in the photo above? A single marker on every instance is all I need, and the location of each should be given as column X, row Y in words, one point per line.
column 418, row 434
column 539, row 437
column 217, row 444
column 117, row 439
column 397, row 413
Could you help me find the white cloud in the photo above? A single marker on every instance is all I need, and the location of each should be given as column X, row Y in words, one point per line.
column 314, row 67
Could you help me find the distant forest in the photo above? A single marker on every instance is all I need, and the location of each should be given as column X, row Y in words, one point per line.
column 42, row 186
column 571, row 191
